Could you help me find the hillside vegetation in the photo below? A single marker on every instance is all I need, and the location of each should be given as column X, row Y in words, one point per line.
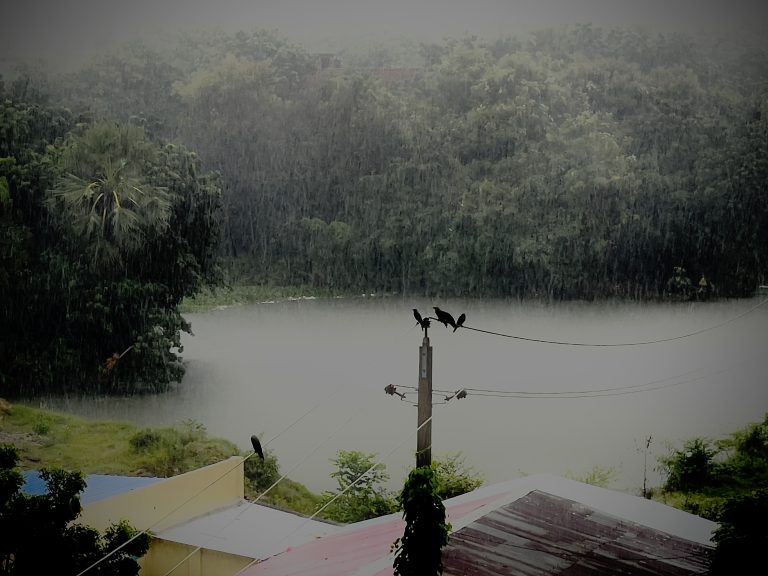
column 571, row 163
column 49, row 439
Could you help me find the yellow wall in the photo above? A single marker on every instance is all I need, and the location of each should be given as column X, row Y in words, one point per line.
column 164, row 555
column 172, row 501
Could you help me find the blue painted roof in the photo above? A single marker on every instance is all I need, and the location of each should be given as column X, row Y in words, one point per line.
column 98, row 486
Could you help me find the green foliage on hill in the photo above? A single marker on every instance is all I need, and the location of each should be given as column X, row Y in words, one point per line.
column 704, row 475
column 573, row 163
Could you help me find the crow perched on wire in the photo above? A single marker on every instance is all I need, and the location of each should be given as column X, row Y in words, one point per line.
column 460, row 321
column 444, row 318
column 423, row 322
column 257, row 446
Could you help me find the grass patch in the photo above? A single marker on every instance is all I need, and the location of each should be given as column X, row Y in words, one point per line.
column 287, row 494
column 48, row 439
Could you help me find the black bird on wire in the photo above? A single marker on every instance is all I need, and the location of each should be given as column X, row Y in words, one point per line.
column 460, row 321
column 257, row 446
column 423, row 322
column 444, row 318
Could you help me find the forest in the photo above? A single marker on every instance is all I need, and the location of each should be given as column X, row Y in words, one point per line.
column 573, row 163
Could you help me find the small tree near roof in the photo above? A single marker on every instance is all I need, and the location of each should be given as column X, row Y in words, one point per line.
column 39, row 536
column 419, row 551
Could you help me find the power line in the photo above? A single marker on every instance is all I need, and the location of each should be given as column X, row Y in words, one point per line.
column 573, row 395
column 618, row 344
column 588, row 390
column 567, row 393
column 260, row 496
column 340, row 494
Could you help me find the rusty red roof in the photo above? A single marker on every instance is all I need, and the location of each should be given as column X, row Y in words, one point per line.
column 542, row 535
column 533, row 526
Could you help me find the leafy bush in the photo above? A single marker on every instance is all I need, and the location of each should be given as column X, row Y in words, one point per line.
column 597, row 476
column 691, row 468
column 741, row 539
column 360, row 481
column 146, row 439
column 262, row 473
column 454, row 477
column 170, row 451
column 28, row 521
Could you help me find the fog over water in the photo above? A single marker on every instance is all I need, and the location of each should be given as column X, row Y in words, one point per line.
column 262, row 368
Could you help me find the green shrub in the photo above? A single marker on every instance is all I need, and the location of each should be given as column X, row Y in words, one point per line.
column 147, row 439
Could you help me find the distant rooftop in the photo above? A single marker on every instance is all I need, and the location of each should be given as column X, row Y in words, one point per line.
column 98, row 486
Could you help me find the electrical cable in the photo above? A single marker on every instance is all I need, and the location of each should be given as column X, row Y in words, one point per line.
column 252, row 503
column 340, row 494
column 619, row 344
column 588, row 390
column 573, row 395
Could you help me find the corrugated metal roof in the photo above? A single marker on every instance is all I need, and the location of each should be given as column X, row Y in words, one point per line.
column 98, row 486
column 543, row 535
column 249, row 530
column 559, row 527
column 356, row 547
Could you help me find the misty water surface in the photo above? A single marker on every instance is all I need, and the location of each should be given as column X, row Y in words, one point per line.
column 302, row 371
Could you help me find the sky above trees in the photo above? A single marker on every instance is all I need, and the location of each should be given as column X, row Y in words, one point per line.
column 77, row 28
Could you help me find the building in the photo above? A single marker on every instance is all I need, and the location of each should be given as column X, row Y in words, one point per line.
column 200, row 522
column 537, row 525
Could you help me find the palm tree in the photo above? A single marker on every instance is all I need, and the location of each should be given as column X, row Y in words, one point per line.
column 104, row 198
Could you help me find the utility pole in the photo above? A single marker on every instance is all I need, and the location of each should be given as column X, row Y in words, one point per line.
column 424, row 434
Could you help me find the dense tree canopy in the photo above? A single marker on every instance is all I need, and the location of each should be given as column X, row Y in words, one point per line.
column 103, row 232
column 574, row 163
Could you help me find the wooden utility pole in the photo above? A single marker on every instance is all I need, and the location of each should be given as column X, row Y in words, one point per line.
column 424, row 434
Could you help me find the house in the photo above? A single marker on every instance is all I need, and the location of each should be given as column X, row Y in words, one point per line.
column 199, row 521
column 532, row 526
